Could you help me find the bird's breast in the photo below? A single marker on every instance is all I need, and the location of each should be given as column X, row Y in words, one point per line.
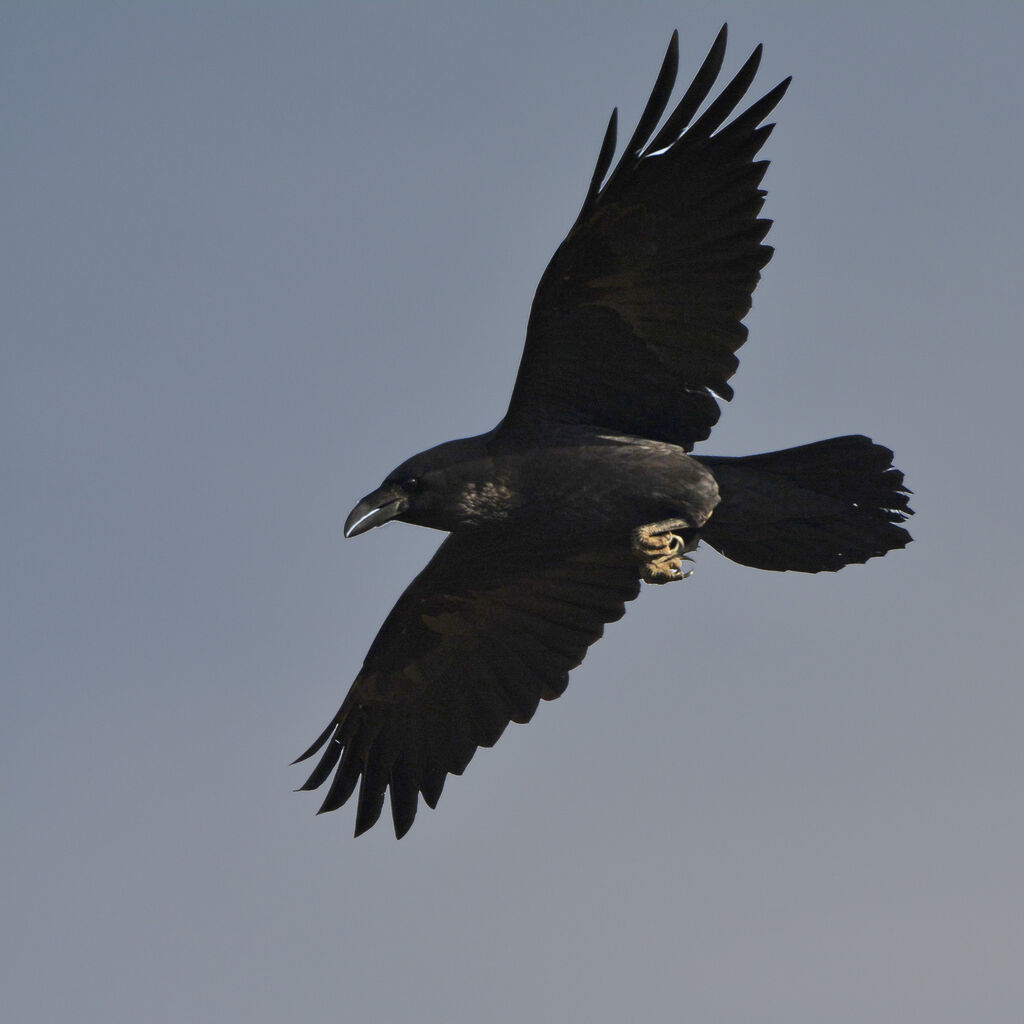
column 489, row 501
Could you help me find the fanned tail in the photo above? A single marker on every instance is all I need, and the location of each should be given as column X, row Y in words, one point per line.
column 814, row 508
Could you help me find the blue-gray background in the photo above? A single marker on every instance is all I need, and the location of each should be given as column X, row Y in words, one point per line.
column 253, row 255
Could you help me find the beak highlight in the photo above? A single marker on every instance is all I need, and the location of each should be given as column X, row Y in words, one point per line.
column 375, row 510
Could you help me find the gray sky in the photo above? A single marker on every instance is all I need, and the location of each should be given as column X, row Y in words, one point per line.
column 254, row 255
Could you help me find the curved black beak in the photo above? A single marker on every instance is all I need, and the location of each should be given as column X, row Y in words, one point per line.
column 375, row 510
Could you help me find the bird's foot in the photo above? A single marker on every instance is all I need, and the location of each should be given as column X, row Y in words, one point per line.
column 661, row 552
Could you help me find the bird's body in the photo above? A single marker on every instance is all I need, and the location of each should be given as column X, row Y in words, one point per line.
column 573, row 484
column 588, row 485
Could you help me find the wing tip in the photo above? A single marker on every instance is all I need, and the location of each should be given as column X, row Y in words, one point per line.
column 318, row 742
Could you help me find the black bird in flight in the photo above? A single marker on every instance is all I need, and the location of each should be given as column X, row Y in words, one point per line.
column 587, row 487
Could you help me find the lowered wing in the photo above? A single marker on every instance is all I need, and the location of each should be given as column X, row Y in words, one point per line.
column 477, row 639
column 637, row 319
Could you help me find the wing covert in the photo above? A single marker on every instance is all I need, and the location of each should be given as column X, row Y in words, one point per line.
column 476, row 641
column 638, row 316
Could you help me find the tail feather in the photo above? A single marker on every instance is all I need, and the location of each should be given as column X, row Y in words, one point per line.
column 814, row 508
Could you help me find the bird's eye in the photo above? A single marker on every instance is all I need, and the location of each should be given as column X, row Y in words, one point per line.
column 412, row 484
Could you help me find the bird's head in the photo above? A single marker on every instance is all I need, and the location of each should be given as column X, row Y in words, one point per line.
column 420, row 490
column 412, row 493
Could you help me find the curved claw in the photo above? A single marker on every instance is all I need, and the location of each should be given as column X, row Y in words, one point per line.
column 662, row 552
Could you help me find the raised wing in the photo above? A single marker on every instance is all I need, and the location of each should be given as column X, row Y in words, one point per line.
column 477, row 639
column 637, row 319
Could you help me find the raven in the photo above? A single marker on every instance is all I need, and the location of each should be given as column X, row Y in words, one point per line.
column 586, row 487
